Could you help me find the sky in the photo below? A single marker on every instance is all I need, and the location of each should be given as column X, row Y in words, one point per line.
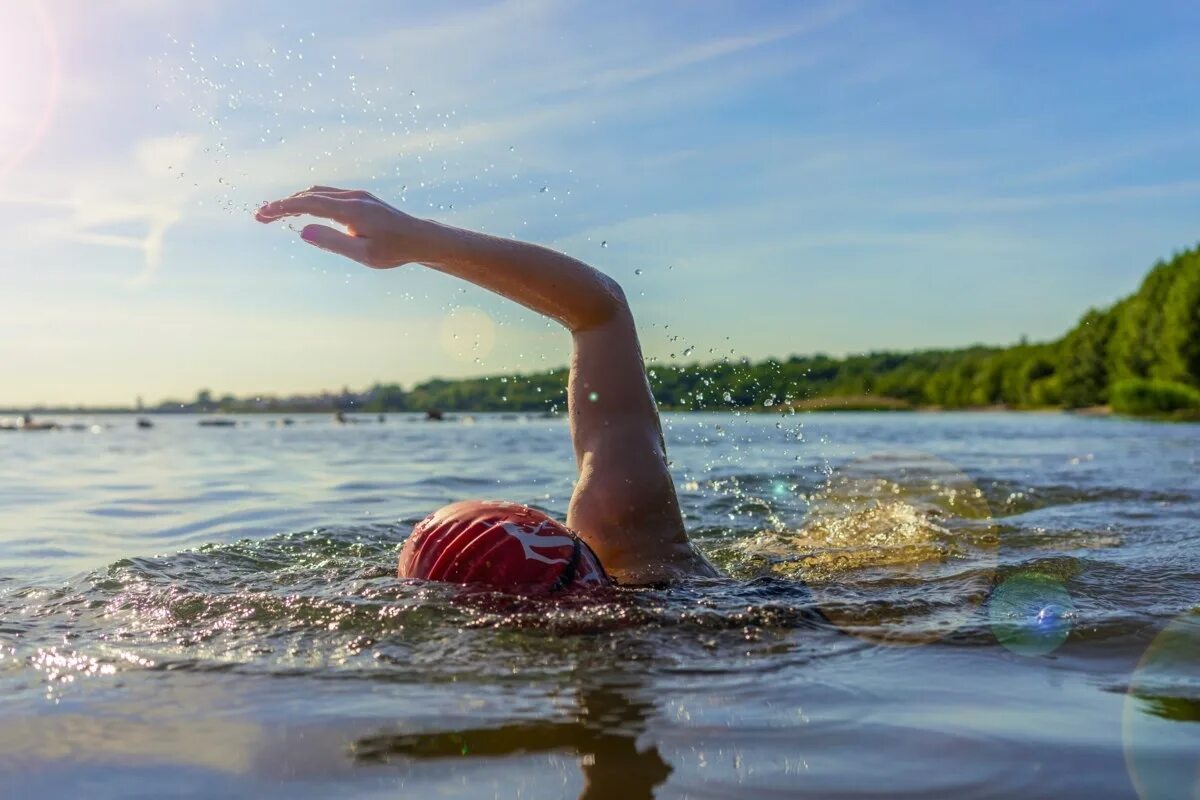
column 763, row 178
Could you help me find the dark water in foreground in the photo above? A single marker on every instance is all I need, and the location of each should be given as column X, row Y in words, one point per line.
column 960, row 605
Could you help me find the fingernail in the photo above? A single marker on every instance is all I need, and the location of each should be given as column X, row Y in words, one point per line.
column 306, row 234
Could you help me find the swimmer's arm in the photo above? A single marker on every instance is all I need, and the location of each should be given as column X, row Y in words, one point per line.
column 382, row 237
column 625, row 497
column 624, row 503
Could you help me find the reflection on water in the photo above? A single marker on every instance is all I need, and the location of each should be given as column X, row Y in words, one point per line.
column 200, row 612
column 1163, row 754
column 603, row 735
column 1179, row 709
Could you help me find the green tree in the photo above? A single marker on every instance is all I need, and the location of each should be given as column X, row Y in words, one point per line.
column 1179, row 341
column 1133, row 350
column 1083, row 360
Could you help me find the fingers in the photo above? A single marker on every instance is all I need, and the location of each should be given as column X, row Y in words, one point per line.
column 316, row 205
column 343, row 194
column 353, row 194
column 349, row 207
column 321, row 201
column 335, row 241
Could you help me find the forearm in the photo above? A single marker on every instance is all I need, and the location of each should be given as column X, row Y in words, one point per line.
column 383, row 237
column 551, row 283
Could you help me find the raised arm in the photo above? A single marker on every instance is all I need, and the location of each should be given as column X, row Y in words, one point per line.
column 624, row 505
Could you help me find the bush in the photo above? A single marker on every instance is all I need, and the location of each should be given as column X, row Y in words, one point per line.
column 1138, row 396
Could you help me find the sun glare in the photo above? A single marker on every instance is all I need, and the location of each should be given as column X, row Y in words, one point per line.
column 29, row 81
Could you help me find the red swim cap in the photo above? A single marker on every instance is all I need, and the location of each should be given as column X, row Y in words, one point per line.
column 504, row 545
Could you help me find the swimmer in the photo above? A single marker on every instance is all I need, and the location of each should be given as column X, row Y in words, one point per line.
column 623, row 522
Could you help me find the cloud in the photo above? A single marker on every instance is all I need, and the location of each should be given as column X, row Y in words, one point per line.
column 483, row 58
column 139, row 195
column 702, row 52
column 1112, row 195
column 278, row 134
column 157, row 220
column 1128, row 153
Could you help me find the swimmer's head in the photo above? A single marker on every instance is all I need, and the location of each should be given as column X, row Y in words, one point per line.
column 502, row 545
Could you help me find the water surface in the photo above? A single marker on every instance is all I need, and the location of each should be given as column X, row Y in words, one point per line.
column 968, row 605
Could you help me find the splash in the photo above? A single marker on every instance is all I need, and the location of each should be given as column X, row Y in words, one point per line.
column 897, row 547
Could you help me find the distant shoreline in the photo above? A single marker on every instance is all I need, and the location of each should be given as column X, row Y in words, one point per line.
column 854, row 403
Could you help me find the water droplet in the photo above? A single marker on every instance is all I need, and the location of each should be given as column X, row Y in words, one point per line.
column 604, row 243
column 593, row 396
column 637, row 272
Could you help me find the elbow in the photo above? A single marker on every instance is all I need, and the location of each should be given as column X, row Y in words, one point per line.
column 614, row 303
column 609, row 304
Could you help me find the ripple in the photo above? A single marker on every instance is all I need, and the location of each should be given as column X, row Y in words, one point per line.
column 124, row 512
column 1009, row 499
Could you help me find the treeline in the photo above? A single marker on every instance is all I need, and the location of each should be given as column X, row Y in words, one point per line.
column 1022, row 376
column 1142, row 354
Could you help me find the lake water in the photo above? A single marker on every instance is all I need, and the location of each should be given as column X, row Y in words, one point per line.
column 919, row 605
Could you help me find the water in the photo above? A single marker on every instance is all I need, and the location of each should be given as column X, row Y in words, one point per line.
column 968, row 605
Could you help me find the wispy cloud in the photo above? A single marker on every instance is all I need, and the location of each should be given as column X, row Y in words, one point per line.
column 375, row 131
column 140, row 194
column 956, row 205
column 691, row 55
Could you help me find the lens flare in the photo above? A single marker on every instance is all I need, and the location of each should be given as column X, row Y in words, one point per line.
column 1031, row 613
column 1162, row 709
column 30, row 80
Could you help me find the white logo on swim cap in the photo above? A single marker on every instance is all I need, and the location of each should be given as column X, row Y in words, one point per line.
column 530, row 539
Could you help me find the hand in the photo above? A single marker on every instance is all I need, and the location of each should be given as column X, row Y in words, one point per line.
column 377, row 235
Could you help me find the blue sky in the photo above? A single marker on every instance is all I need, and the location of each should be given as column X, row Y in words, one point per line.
column 769, row 178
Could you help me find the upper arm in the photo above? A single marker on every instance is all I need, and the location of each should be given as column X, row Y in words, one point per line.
column 624, row 503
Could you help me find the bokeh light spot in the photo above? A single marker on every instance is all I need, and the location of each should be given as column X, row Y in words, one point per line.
column 1031, row 613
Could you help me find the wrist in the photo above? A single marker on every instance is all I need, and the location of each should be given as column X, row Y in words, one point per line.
column 431, row 241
